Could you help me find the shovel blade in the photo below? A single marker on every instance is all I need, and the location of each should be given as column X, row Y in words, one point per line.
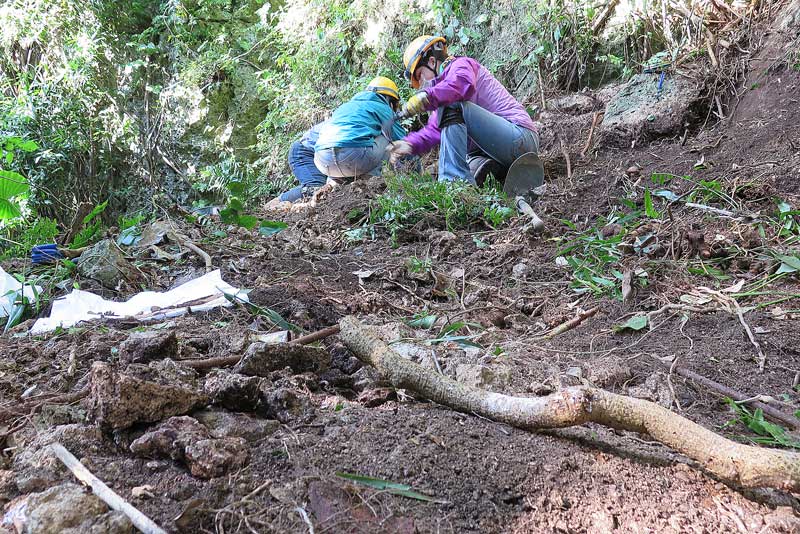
column 524, row 175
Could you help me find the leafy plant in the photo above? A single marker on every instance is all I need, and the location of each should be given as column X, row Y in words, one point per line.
column 91, row 227
column 767, row 433
column 410, row 199
column 417, row 265
column 234, row 212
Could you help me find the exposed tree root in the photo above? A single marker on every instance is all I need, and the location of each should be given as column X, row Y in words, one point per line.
column 735, row 463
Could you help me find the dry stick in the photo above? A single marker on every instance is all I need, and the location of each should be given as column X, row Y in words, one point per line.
column 566, row 157
column 226, row 361
column 186, row 242
column 733, row 462
column 114, row 501
column 595, row 118
column 569, row 325
column 769, row 411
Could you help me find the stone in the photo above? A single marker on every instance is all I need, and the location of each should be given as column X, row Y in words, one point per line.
column 105, row 263
column 495, row 378
column 187, row 440
column 520, row 271
column 61, row 507
column 365, row 378
column 575, row 104
column 655, row 389
column 636, row 113
column 261, row 359
column 37, row 468
column 284, row 405
column 372, row 398
column 119, row 400
column 607, row 372
column 144, row 347
column 8, row 485
column 224, row 424
column 233, row 391
column 209, row 458
column 112, row 522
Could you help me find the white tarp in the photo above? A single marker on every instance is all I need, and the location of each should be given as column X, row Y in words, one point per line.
column 204, row 293
column 9, row 291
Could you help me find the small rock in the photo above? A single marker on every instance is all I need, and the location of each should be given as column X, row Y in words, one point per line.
column 233, row 391
column 633, row 171
column 8, row 485
column 261, row 359
column 210, row 458
column 35, row 465
column 284, row 405
column 224, row 424
column 520, row 270
column 106, row 263
column 118, row 400
column 655, row 389
column 112, row 522
column 144, row 347
column 342, row 358
column 186, row 439
column 366, row 377
column 390, row 332
column 61, row 507
column 336, row 378
column 480, row 376
column 375, row 397
column 608, row 372
column 142, row 491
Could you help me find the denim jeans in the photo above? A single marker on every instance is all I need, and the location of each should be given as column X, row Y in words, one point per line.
column 301, row 161
column 349, row 162
column 501, row 140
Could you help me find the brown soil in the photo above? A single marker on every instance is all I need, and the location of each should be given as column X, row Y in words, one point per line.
column 491, row 478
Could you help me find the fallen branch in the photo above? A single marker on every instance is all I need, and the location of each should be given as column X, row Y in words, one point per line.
column 566, row 158
column 186, row 242
column 227, row 361
column 569, row 325
column 733, row 462
column 769, row 411
column 108, row 496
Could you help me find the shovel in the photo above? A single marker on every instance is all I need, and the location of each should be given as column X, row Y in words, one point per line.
column 524, row 176
column 388, row 124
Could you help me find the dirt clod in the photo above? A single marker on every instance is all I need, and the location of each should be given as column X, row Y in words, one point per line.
column 69, row 508
column 261, row 359
column 144, row 347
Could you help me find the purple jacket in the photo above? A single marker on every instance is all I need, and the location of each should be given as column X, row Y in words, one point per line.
column 465, row 79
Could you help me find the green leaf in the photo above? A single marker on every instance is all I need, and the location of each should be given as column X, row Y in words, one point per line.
column 8, row 210
column 649, row 209
column 229, row 216
column 100, row 208
column 789, row 264
column 237, row 188
column 235, row 204
column 12, row 184
column 403, row 490
column 271, row 227
column 635, row 323
column 247, row 221
column 425, row 321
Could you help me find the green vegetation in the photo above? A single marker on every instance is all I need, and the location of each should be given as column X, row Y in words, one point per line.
column 408, row 200
column 767, row 433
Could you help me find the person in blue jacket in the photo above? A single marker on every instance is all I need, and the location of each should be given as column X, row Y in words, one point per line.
column 347, row 145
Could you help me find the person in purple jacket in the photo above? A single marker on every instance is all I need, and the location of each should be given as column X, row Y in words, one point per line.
column 481, row 128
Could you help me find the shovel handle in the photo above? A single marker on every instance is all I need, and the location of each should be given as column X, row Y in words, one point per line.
column 525, row 209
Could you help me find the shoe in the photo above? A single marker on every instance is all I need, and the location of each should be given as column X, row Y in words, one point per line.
column 482, row 166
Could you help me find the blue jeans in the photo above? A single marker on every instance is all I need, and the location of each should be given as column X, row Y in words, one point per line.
column 301, row 161
column 501, row 140
column 349, row 162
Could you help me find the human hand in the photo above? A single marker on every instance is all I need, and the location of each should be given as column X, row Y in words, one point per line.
column 416, row 104
column 398, row 150
column 277, row 205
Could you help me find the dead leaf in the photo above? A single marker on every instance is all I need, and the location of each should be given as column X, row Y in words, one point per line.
column 735, row 288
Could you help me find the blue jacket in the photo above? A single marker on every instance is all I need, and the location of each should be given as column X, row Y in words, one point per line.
column 357, row 123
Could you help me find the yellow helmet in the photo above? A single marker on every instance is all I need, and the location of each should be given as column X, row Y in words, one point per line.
column 415, row 51
column 384, row 86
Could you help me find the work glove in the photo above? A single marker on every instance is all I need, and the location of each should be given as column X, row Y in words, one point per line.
column 416, row 104
column 398, row 150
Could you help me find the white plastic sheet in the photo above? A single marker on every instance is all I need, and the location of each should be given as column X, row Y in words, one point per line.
column 9, row 291
column 81, row 305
